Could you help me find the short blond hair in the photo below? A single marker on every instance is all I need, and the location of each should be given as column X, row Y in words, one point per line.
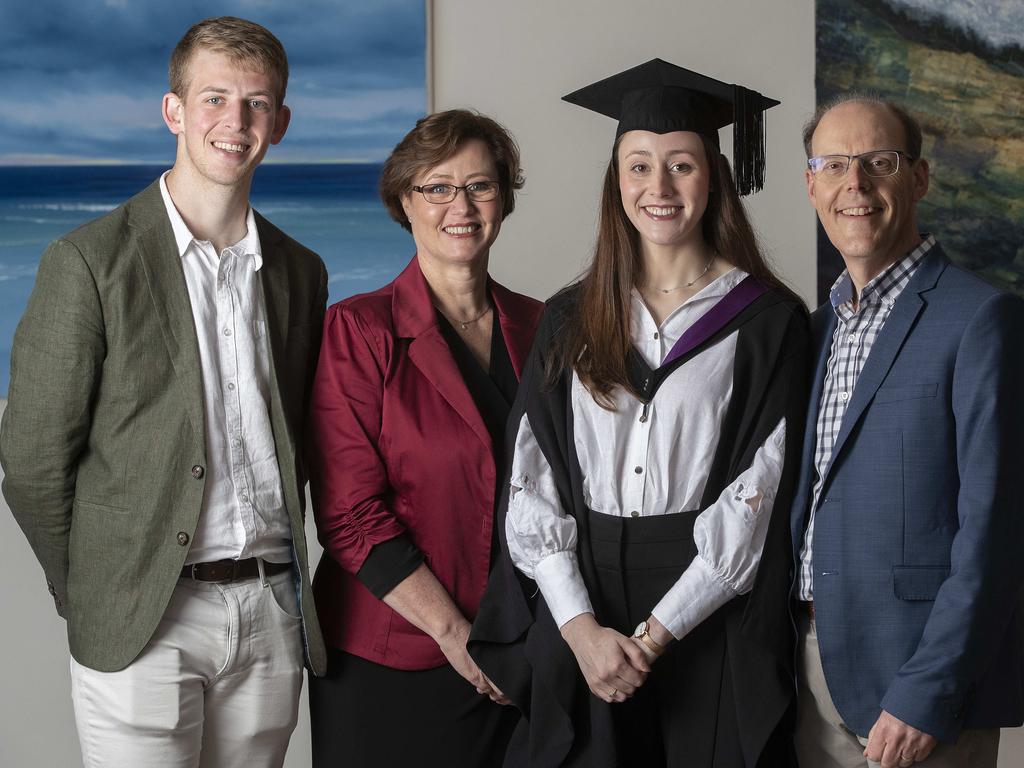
column 244, row 42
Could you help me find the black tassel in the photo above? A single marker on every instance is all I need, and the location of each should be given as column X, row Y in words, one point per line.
column 748, row 140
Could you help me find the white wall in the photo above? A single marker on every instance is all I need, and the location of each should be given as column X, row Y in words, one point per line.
column 515, row 60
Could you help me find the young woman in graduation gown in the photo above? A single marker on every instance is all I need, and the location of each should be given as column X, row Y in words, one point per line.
column 639, row 615
column 408, row 412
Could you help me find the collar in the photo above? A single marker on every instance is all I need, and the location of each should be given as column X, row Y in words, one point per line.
column 249, row 245
column 892, row 278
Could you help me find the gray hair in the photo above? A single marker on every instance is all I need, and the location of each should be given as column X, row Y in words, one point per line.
column 911, row 128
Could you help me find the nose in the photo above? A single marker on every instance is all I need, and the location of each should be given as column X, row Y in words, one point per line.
column 661, row 184
column 462, row 201
column 236, row 115
column 856, row 178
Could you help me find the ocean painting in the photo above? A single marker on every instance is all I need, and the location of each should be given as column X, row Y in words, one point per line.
column 80, row 127
column 958, row 65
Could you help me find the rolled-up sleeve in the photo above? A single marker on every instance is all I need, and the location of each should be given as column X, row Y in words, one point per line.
column 541, row 537
column 729, row 536
column 349, row 479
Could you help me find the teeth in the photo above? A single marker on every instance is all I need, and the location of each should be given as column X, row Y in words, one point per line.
column 655, row 211
column 229, row 147
column 463, row 230
column 857, row 211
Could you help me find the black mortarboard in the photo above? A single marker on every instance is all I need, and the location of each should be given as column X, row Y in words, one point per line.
column 661, row 97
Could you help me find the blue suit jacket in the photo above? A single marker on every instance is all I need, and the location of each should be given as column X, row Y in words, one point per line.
column 918, row 544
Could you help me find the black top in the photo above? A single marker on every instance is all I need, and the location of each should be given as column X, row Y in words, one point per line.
column 493, row 393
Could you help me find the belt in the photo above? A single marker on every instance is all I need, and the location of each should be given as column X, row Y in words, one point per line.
column 231, row 570
column 805, row 608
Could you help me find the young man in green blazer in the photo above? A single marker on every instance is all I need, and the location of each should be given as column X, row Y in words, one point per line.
column 150, row 444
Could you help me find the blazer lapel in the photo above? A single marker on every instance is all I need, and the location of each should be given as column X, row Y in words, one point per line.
column 169, row 294
column 823, row 328
column 888, row 344
column 414, row 317
column 276, row 293
column 517, row 319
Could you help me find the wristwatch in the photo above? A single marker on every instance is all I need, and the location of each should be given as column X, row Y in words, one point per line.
column 643, row 634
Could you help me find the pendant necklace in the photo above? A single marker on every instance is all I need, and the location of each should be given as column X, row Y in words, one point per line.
column 464, row 324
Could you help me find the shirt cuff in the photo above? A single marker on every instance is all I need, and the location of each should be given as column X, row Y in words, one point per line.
column 389, row 564
column 696, row 595
column 560, row 582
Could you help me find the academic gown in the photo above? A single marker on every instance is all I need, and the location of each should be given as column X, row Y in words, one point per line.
column 517, row 643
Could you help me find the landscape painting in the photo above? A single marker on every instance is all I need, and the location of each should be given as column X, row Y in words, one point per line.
column 80, row 125
column 958, row 65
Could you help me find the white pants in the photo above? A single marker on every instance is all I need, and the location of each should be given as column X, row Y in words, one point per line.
column 217, row 685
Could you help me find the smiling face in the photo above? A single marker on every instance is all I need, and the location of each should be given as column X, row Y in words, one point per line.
column 461, row 231
column 871, row 221
column 663, row 181
column 226, row 120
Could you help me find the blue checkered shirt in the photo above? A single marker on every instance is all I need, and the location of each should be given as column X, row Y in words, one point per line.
column 852, row 341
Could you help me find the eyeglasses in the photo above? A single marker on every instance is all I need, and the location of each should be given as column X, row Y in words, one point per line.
column 477, row 191
column 881, row 162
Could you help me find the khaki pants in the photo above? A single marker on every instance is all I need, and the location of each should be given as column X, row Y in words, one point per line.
column 824, row 741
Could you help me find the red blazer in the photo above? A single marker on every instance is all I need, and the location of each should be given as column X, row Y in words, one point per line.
column 398, row 445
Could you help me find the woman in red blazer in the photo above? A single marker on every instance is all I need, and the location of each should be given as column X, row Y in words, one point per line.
column 408, row 413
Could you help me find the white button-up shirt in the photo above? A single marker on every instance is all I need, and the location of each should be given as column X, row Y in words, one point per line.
column 651, row 460
column 243, row 513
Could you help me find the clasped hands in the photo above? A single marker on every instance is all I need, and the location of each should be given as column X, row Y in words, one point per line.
column 613, row 665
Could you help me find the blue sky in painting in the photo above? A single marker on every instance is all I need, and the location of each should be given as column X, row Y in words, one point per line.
column 83, row 79
column 1000, row 22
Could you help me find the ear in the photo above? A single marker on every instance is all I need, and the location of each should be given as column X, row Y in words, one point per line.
column 809, row 178
column 281, row 121
column 407, row 205
column 171, row 110
column 920, row 178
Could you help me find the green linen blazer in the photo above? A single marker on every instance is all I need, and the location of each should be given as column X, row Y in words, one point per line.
column 102, row 442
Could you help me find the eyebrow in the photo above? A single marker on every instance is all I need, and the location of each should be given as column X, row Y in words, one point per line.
column 449, row 176
column 215, row 89
column 671, row 153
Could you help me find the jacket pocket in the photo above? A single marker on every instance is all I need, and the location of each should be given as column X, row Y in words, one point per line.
column 906, row 392
column 918, row 582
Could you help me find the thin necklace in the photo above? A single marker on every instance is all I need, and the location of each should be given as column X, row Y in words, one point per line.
column 690, row 284
column 464, row 324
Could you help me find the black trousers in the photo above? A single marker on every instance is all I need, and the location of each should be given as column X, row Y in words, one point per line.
column 684, row 714
column 366, row 714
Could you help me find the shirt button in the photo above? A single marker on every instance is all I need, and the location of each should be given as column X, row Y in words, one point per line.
column 227, row 331
column 853, row 337
column 638, row 470
column 243, row 496
column 197, row 472
column 656, row 335
column 844, row 396
column 182, row 538
column 635, row 513
column 231, row 387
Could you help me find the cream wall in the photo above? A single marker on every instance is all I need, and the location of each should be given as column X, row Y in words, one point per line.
column 515, row 60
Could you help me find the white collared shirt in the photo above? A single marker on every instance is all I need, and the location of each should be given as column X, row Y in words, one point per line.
column 638, row 462
column 243, row 513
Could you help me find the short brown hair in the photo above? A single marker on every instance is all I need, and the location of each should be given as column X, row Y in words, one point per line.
column 911, row 128
column 244, row 42
column 436, row 138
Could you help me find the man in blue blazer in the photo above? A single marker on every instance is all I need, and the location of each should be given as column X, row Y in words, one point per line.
column 907, row 525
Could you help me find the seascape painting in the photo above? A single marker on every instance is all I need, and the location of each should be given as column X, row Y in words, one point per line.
column 80, row 126
column 958, row 65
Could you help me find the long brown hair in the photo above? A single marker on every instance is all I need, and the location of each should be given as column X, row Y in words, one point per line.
column 596, row 340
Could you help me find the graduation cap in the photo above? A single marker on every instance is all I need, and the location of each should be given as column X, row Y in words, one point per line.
column 661, row 97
